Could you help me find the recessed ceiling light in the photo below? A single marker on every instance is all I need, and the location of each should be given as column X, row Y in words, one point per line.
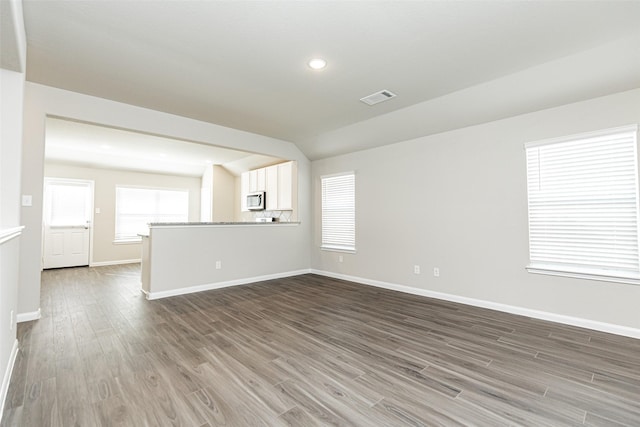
column 317, row 63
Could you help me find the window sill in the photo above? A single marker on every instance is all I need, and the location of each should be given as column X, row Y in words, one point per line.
column 131, row 241
column 334, row 249
column 587, row 275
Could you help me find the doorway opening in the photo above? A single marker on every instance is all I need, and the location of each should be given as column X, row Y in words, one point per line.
column 67, row 223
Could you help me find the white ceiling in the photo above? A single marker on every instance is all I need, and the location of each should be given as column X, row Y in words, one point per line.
column 242, row 64
column 98, row 146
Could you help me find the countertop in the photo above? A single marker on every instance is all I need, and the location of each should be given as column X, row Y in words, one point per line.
column 190, row 224
column 216, row 224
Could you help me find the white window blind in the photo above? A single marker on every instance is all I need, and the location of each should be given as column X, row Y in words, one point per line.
column 339, row 212
column 137, row 207
column 583, row 205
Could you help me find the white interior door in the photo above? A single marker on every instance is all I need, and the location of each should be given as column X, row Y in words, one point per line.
column 68, row 205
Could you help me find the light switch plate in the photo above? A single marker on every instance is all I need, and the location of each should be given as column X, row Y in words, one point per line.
column 27, row 200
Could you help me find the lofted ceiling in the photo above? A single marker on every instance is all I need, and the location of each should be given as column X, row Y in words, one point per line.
column 242, row 64
column 87, row 144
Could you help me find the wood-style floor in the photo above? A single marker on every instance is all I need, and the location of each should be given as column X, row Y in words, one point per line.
column 305, row 351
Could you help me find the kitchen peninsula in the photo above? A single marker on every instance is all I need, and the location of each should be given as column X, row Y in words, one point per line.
column 181, row 258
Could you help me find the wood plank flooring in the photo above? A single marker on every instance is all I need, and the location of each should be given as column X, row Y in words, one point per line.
column 305, row 351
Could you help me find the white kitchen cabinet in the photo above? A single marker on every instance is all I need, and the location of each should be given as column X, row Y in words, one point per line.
column 280, row 182
column 271, row 180
column 251, row 182
column 287, row 188
column 262, row 181
column 257, row 180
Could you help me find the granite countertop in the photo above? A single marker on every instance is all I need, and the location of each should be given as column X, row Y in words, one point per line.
column 180, row 224
column 213, row 224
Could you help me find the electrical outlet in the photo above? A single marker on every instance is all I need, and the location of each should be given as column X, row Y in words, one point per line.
column 11, row 322
column 340, row 258
column 416, row 269
column 436, row 272
column 218, row 265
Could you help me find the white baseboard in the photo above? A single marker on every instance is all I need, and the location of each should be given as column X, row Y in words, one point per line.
column 219, row 285
column 7, row 376
column 26, row 317
column 117, row 262
column 537, row 314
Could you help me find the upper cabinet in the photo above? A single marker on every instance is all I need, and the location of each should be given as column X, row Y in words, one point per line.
column 287, row 186
column 257, row 180
column 271, row 202
column 279, row 182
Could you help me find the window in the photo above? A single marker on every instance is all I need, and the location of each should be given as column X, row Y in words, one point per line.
column 137, row 207
column 583, row 205
column 339, row 212
column 67, row 202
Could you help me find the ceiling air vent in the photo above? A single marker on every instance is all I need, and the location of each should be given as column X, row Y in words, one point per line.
column 378, row 97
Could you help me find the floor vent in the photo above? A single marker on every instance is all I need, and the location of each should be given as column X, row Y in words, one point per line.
column 378, row 97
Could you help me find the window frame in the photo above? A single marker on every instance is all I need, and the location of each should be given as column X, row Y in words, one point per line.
column 591, row 272
column 326, row 245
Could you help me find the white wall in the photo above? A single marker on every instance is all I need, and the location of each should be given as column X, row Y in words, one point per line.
column 458, row 201
column 12, row 81
column 41, row 101
column 224, row 195
column 183, row 259
column 206, row 194
column 11, row 93
column 9, row 250
column 104, row 250
column 11, row 103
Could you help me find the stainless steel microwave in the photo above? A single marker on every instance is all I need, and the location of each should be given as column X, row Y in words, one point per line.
column 255, row 201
